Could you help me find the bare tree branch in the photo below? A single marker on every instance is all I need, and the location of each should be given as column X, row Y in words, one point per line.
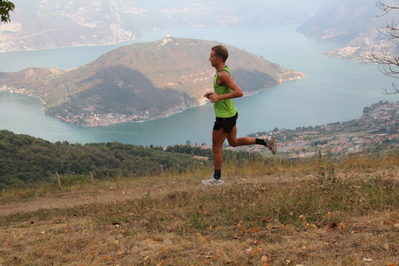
column 395, row 91
column 387, row 8
column 389, row 65
column 390, row 29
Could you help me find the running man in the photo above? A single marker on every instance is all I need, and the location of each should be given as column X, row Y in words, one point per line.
column 225, row 89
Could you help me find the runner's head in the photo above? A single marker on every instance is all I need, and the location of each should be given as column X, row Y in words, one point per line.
column 221, row 51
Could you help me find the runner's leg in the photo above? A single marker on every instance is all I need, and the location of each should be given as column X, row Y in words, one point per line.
column 218, row 138
column 234, row 142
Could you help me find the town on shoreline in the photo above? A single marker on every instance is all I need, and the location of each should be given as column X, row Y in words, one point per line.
column 378, row 125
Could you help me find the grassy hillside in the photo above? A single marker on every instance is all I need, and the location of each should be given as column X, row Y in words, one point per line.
column 141, row 81
column 279, row 212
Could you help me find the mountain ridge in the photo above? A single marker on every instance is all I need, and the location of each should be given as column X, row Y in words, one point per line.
column 38, row 25
column 357, row 24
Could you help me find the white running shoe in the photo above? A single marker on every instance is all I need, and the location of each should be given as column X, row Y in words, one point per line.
column 212, row 181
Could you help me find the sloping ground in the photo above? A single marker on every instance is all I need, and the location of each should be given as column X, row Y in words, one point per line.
column 322, row 214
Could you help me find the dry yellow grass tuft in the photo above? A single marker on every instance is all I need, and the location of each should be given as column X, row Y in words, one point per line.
column 279, row 212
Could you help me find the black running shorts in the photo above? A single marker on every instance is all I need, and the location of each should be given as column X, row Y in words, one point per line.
column 226, row 123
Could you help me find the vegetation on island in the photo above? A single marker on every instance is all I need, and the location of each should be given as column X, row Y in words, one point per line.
column 139, row 82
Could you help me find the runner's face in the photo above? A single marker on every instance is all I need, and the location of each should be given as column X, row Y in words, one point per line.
column 214, row 59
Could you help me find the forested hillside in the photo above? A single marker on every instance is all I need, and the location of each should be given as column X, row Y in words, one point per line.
column 25, row 160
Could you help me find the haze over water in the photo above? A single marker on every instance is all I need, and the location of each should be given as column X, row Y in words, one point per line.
column 334, row 90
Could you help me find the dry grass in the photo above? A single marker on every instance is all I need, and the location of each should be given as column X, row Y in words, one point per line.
column 314, row 212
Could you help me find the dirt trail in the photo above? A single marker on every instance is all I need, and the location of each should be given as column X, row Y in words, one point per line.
column 136, row 189
column 97, row 195
column 76, row 197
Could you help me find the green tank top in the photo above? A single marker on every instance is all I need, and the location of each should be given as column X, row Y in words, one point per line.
column 223, row 108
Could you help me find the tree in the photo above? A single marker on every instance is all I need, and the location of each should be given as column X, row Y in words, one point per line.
column 389, row 63
column 5, row 8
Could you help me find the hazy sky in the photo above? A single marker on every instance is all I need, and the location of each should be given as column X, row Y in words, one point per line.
column 39, row 24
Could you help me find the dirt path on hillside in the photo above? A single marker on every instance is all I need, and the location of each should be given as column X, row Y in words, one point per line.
column 101, row 194
column 98, row 195
column 75, row 197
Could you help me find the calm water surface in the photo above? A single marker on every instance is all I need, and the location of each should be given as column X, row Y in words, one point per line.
column 334, row 90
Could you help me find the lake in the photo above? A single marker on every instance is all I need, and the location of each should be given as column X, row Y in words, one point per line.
column 333, row 90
